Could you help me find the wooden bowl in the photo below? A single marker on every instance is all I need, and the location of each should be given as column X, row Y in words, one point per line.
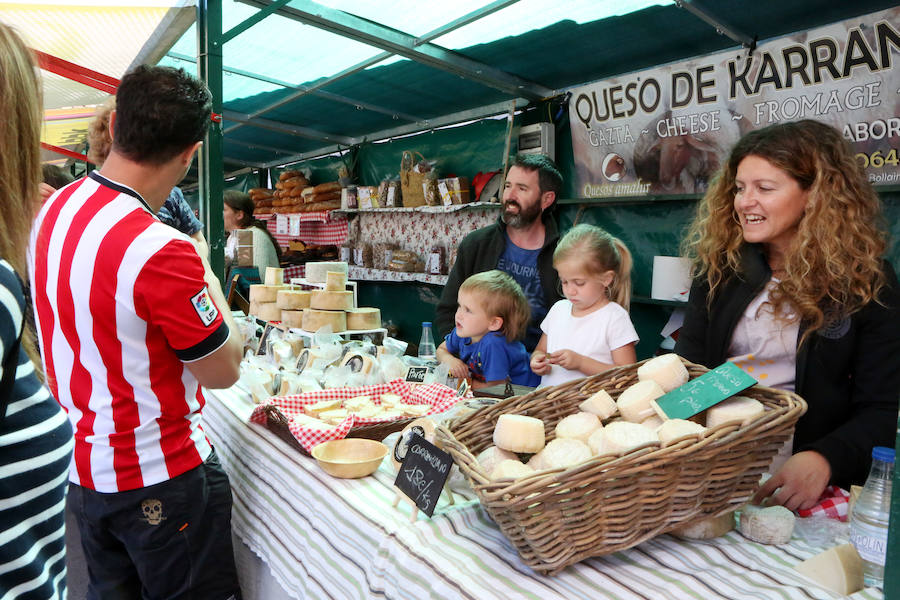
column 350, row 458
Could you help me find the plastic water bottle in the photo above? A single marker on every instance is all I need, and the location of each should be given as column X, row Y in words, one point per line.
column 871, row 513
column 426, row 343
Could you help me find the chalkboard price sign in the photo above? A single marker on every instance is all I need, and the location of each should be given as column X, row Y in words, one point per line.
column 423, row 472
column 416, row 374
column 709, row 389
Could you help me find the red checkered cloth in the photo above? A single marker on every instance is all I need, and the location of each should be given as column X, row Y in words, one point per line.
column 834, row 504
column 319, row 228
column 438, row 396
column 292, row 271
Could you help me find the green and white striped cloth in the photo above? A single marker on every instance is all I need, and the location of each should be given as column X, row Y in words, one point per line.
column 323, row 537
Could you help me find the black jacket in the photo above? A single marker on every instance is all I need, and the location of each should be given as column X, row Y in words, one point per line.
column 848, row 373
column 480, row 251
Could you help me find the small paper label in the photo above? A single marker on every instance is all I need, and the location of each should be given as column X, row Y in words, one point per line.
column 281, row 224
column 391, row 195
column 294, row 225
column 446, row 198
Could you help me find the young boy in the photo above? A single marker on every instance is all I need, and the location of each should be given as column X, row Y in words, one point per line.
column 491, row 317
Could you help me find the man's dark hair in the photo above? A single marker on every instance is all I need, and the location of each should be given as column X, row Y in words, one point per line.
column 55, row 176
column 160, row 111
column 549, row 177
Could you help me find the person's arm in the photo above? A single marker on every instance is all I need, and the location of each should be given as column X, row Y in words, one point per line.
column 624, row 355
column 458, row 368
column 798, row 484
column 539, row 362
column 202, row 246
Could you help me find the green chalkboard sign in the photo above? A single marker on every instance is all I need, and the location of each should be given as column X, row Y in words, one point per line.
column 700, row 393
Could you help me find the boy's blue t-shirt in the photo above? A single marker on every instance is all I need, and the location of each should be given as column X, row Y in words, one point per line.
column 492, row 358
column 522, row 265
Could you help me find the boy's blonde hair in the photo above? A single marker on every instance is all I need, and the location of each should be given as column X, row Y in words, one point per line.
column 600, row 251
column 501, row 297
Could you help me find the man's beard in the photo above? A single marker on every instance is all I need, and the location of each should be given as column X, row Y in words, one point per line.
column 525, row 216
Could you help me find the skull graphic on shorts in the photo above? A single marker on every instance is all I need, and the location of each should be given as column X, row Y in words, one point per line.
column 152, row 510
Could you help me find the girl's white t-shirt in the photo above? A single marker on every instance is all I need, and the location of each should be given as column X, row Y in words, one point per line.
column 594, row 335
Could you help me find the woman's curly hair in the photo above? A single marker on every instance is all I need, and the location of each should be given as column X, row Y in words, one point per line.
column 833, row 265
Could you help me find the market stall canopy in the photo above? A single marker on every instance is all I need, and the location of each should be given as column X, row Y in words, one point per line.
column 311, row 77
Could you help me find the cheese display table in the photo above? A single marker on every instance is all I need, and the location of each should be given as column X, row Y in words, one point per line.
column 322, row 537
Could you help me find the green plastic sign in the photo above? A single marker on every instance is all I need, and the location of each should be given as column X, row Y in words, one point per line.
column 709, row 389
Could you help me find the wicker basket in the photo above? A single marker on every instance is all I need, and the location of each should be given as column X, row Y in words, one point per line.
column 609, row 503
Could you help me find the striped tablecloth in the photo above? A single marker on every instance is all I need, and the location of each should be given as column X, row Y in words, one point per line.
column 332, row 538
column 321, row 228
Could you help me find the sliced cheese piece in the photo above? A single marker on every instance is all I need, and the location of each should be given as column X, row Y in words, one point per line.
column 292, row 319
column 358, row 402
column 620, row 436
column 370, row 411
column 579, row 426
column 675, row 429
column 414, row 410
column 390, row 400
column 264, row 293
column 840, row 569
column 519, row 433
column 511, row 469
column 634, row 403
column 706, row 529
column 363, row 318
column 600, row 404
column 666, row 370
column 491, row 456
column 336, row 281
column 274, row 276
column 563, row 453
column 313, row 320
column 770, row 525
column 292, row 299
column 736, row 408
column 324, row 300
column 315, row 408
column 317, row 272
column 334, row 416
column 268, row 311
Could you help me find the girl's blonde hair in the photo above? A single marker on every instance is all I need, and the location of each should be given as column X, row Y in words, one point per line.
column 600, row 252
column 833, row 266
column 501, row 297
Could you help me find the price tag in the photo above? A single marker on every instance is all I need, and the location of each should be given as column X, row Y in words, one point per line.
column 281, row 224
column 294, row 225
column 700, row 393
column 416, row 374
column 446, row 197
column 423, row 471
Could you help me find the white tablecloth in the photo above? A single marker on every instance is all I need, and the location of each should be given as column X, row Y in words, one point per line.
column 332, row 538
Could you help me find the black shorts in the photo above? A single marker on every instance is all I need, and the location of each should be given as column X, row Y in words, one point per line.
column 167, row 541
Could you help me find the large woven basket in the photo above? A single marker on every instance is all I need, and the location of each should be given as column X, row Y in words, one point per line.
column 610, row 503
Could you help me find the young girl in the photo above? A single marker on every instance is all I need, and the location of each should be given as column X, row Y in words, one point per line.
column 590, row 330
column 491, row 317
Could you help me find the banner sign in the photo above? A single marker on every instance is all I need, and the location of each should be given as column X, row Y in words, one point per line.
column 667, row 130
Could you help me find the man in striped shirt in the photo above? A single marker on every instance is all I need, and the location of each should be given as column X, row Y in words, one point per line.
column 132, row 323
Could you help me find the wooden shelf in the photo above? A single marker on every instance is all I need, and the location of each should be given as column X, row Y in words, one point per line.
column 421, row 209
column 366, row 274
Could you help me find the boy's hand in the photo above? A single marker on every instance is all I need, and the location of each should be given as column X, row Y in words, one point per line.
column 458, row 368
column 568, row 359
column 539, row 363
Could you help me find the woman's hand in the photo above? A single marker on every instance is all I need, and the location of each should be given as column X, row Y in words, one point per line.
column 539, row 363
column 801, row 480
column 568, row 359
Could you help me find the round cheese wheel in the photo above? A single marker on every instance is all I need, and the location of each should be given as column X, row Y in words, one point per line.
column 317, row 272
column 335, row 281
column 518, row 433
column 579, row 426
column 363, row 318
column 674, row 429
column 292, row 318
column 634, row 403
column 313, row 320
column 274, row 276
column 268, row 311
column 511, row 469
column 491, row 456
column 563, row 453
column 325, row 300
column 600, row 404
column 292, row 299
column 706, row 529
column 264, row 293
column 736, row 408
column 770, row 525
column 620, row 436
column 666, row 370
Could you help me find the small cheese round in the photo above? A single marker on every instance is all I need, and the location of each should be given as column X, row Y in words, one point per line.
column 653, row 422
column 634, row 403
column 736, row 408
column 264, row 293
column 706, row 529
column 491, row 456
column 600, row 404
column 292, row 299
column 363, row 318
column 536, row 462
column 323, row 300
column 770, row 525
column 674, row 429
column 511, row 469
column 579, row 426
column 666, row 370
column 563, row 453
column 268, row 311
column 518, row 433
column 620, row 436
column 274, row 276
column 335, row 281
column 317, row 272
column 292, row 318
column 313, row 320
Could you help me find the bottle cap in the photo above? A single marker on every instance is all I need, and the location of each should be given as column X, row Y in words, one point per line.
column 883, row 453
column 424, row 323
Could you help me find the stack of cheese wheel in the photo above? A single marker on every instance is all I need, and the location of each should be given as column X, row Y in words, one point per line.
column 333, row 306
column 264, row 296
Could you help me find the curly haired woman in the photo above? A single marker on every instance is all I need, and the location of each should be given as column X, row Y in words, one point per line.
column 791, row 285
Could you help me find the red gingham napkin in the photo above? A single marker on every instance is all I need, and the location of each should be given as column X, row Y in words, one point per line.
column 834, row 504
column 439, row 396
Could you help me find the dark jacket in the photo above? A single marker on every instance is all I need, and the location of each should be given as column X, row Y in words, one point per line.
column 848, row 373
column 481, row 251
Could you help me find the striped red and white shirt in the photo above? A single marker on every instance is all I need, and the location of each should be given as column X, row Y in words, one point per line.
column 121, row 306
